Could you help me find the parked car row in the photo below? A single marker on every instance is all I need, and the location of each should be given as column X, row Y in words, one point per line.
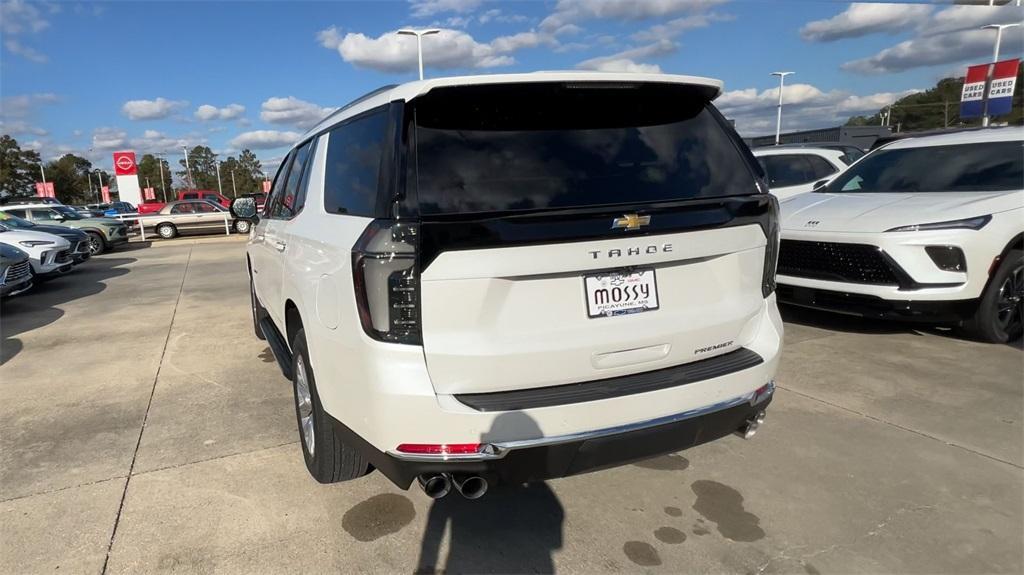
column 31, row 253
column 103, row 234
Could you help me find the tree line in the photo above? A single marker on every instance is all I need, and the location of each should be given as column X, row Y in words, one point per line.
column 939, row 107
column 75, row 181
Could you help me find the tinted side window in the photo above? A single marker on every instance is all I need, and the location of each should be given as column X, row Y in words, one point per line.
column 277, row 188
column 788, row 170
column 182, row 208
column 821, row 167
column 190, row 196
column 287, row 206
column 353, row 165
column 43, row 214
column 19, row 213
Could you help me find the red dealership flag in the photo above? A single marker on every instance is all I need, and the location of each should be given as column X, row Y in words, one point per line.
column 41, row 189
column 106, row 194
column 266, row 186
column 150, row 194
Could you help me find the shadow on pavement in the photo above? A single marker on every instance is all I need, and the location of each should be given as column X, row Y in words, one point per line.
column 854, row 324
column 39, row 306
column 511, row 529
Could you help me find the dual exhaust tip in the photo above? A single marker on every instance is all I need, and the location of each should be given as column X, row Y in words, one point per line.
column 437, row 485
column 750, row 427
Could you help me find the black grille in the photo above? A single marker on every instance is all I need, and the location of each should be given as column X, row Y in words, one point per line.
column 18, row 271
column 63, row 257
column 852, row 263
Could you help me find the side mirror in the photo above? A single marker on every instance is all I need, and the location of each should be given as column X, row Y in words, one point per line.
column 58, row 217
column 820, row 184
column 244, row 209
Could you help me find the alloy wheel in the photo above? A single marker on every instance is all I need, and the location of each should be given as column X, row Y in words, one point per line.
column 304, row 401
column 95, row 244
column 1010, row 303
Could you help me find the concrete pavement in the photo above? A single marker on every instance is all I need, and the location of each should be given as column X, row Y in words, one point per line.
column 144, row 428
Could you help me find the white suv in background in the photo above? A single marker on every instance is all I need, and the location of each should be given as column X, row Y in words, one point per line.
column 518, row 277
column 926, row 228
column 795, row 170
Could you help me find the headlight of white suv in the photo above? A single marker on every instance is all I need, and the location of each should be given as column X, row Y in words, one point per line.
column 34, row 243
column 966, row 224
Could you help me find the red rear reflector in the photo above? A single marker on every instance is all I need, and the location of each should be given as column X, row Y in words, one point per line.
column 439, row 449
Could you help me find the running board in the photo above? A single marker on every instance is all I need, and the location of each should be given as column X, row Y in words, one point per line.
column 277, row 346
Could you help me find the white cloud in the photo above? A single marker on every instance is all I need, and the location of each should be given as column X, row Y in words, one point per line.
column 496, row 15
column 16, row 113
column 573, row 11
column 863, row 19
column 446, row 50
column 153, row 141
column 24, row 105
column 329, row 38
column 292, row 111
column 626, row 65
column 109, row 138
column 804, row 106
column 151, row 109
column 14, row 46
column 950, row 36
column 677, row 26
column 19, row 18
column 625, row 61
column 206, row 112
column 427, row 8
column 264, row 139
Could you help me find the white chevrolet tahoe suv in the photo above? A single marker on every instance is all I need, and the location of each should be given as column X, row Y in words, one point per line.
column 518, row 277
column 926, row 229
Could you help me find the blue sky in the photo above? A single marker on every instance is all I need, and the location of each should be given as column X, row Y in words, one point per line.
column 90, row 78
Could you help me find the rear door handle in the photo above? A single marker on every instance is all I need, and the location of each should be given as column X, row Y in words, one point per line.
column 280, row 246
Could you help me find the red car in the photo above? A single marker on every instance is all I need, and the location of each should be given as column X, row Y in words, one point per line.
column 208, row 195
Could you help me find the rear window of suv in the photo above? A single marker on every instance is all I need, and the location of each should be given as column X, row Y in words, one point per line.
column 500, row 148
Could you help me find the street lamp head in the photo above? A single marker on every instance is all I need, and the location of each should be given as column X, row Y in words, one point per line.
column 1000, row 26
column 411, row 32
column 782, row 74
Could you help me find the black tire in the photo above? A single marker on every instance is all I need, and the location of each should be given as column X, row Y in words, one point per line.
column 257, row 310
column 331, row 460
column 97, row 245
column 243, row 226
column 998, row 318
column 166, row 231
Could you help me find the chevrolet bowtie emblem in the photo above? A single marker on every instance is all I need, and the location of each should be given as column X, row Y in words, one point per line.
column 631, row 222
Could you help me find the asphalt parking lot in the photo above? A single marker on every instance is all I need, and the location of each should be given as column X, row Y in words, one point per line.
column 144, row 428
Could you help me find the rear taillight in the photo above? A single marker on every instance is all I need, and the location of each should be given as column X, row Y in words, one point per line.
column 440, row 448
column 386, row 281
column 771, row 251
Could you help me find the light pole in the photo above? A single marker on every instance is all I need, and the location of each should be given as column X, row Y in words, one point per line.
column 995, row 58
column 99, row 176
column 778, row 116
column 160, row 166
column 220, row 189
column 188, row 170
column 234, row 190
column 419, row 42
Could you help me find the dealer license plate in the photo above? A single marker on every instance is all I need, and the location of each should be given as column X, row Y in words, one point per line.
column 621, row 293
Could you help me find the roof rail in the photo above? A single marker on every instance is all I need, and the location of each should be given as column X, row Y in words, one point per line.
column 364, row 97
